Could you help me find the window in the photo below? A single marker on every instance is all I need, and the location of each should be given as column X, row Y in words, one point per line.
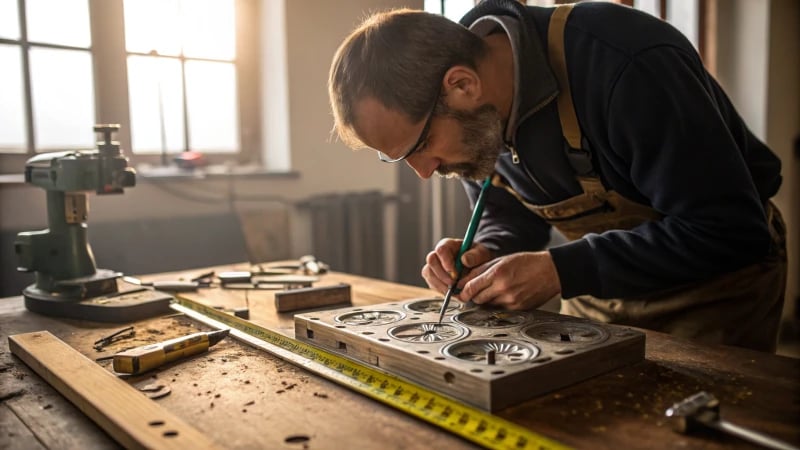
column 46, row 81
column 694, row 18
column 170, row 72
column 182, row 75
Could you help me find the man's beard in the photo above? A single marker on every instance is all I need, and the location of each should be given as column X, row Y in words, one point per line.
column 481, row 138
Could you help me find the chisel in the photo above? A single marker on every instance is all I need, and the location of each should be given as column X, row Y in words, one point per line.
column 141, row 359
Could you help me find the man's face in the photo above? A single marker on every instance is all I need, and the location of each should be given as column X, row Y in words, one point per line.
column 481, row 142
column 453, row 143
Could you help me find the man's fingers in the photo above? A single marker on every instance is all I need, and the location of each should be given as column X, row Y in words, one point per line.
column 476, row 256
column 434, row 282
column 435, row 268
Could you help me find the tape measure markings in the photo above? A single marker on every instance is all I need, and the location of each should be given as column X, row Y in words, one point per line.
column 452, row 415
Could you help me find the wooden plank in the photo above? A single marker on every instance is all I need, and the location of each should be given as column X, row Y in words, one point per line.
column 314, row 297
column 56, row 423
column 129, row 417
column 17, row 435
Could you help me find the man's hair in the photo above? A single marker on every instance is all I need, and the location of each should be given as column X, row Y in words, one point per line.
column 398, row 57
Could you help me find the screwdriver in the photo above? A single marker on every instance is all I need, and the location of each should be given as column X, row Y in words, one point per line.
column 466, row 244
column 141, row 359
column 172, row 286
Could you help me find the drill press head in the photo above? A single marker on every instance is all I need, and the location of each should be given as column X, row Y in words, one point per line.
column 60, row 255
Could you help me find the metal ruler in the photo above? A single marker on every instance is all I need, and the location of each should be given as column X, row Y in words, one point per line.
column 452, row 415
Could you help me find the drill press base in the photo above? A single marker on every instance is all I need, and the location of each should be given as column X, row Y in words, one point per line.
column 115, row 307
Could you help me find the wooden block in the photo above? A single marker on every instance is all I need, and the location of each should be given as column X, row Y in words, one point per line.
column 313, row 297
column 126, row 414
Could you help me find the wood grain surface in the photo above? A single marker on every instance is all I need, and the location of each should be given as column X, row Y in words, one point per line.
column 243, row 398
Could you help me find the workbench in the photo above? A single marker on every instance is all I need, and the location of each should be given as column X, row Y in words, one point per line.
column 242, row 397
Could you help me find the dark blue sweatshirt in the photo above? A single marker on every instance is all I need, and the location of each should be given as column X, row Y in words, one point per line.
column 661, row 132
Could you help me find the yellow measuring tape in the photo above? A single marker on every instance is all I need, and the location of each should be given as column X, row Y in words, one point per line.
column 458, row 418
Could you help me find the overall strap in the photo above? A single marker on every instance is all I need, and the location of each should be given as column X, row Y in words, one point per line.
column 576, row 149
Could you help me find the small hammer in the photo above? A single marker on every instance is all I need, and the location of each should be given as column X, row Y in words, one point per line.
column 702, row 409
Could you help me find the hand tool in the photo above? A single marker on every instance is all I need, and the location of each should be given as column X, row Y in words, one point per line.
column 702, row 409
column 61, row 255
column 165, row 285
column 312, row 266
column 466, row 244
column 124, row 333
column 117, row 407
column 242, row 279
column 307, row 264
column 148, row 357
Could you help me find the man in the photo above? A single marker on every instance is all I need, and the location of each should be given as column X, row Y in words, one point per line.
column 598, row 120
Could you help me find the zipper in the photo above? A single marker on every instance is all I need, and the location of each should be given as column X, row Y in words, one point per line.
column 517, row 161
column 515, row 156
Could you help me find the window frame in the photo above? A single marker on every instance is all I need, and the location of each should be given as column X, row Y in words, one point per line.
column 109, row 65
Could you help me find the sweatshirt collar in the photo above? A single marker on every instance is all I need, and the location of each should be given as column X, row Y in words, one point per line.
column 531, row 68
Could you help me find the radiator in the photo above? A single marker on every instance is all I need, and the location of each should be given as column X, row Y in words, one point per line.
column 347, row 231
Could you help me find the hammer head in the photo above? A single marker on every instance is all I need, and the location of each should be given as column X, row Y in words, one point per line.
column 701, row 408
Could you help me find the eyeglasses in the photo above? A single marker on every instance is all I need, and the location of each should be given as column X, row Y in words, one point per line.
column 422, row 137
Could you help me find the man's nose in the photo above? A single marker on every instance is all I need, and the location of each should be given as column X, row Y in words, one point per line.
column 424, row 167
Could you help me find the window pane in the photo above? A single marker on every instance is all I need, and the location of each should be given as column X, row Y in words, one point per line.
column 64, row 22
column 152, row 25
column 12, row 109
column 63, row 99
column 9, row 19
column 211, row 98
column 453, row 9
column 652, row 7
column 156, row 102
column 210, row 29
column 683, row 16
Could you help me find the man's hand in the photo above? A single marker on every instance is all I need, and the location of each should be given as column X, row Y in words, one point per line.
column 519, row 281
column 440, row 264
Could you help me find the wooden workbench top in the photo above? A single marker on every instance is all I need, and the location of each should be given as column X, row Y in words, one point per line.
column 244, row 398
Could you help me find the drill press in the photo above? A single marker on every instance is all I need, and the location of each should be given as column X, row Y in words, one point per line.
column 68, row 284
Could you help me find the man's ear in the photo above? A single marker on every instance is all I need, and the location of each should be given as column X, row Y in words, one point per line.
column 462, row 88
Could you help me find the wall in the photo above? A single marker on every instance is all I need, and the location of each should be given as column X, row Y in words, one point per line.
column 758, row 45
column 757, row 65
column 315, row 28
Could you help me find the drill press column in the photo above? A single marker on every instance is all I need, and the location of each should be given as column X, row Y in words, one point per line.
column 66, row 275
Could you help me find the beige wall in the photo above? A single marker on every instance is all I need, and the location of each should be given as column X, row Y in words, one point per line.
column 758, row 66
column 297, row 131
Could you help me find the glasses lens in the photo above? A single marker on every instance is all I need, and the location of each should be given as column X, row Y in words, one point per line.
column 384, row 157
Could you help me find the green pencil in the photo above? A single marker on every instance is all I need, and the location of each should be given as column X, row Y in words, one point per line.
column 466, row 243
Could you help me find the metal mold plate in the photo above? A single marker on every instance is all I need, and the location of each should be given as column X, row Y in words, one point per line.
column 488, row 358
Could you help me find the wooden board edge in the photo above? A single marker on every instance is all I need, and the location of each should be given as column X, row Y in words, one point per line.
column 124, row 413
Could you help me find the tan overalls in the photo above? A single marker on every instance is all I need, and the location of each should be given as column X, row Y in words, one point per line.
column 742, row 308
